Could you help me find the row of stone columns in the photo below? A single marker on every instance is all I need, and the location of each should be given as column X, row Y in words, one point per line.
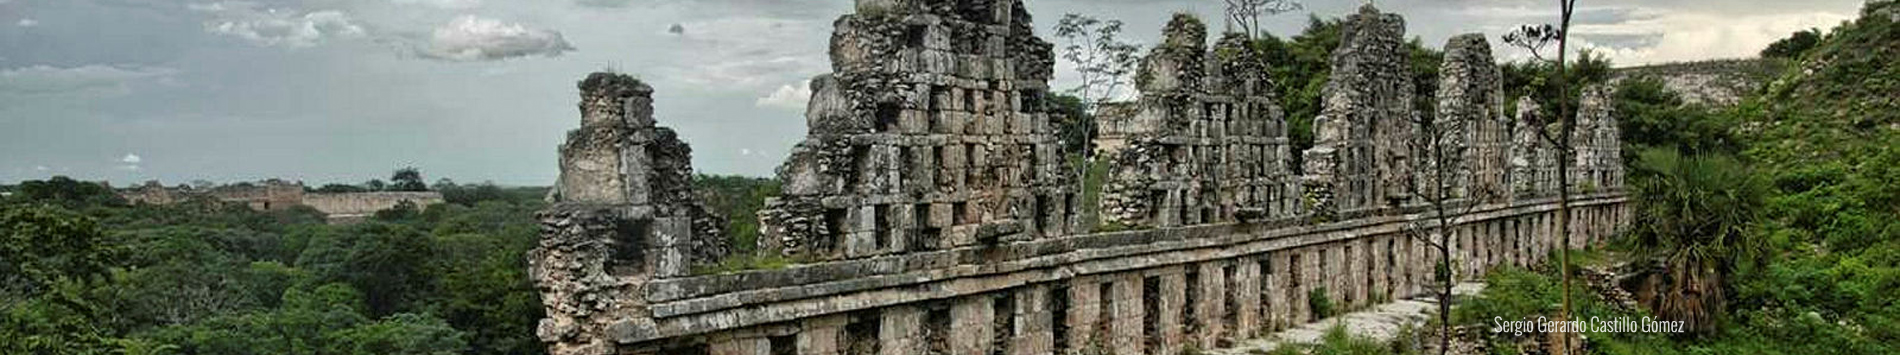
column 1171, row 309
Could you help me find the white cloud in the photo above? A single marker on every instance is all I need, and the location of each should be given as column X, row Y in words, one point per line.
column 27, row 22
column 100, row 79
column 471, row 38
column 746, row 53
column 277, row 27
column 37, row 167
column 792, row 97
column 1683, row 36
column 131, row 159
column 446, row 4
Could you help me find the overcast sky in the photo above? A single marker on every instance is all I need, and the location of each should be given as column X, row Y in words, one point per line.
column 482, row 90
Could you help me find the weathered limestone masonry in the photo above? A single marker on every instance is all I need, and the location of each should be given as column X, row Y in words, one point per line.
column 930, row 220
column 278, row 195
column 931, row 134
column 1361, row 158
column 624, row 213
column 1533, row 158
column 1599, row 157
column 1471, row 114
column 1206, row 142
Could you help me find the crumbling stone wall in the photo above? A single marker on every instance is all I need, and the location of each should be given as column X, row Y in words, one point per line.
column 931, row 133
column 1599, row 159
column 1471, row 117
column 624, row 212
column 1533, row 172
column 1363, row 138
column 1206, row 142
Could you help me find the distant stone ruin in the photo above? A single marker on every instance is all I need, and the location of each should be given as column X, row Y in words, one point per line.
column 929, row 210
column 279, row 195
column 931, row 134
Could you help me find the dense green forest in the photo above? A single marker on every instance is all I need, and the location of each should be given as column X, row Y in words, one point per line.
column 85, row 273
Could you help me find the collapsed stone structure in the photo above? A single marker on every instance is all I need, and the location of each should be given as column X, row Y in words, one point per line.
column 1532, row 155
column 1475, row 133
column 1363, row 139
column 624, row 212
column 1598, row 161
column 930, row 134
column 930, row 213
column 1205, row 143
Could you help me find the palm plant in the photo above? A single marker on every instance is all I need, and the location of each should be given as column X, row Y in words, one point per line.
column 1694, row 214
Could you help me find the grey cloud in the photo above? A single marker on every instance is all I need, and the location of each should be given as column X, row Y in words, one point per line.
column 613, row 4
column 472, row 38
column 277, row 27
column 44, row 79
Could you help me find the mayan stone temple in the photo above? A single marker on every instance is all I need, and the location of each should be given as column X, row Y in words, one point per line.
column 930, row 209
column 1205, row 143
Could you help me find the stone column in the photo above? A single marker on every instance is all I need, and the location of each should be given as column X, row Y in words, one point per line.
column 970, row 325
column 901, row 331
column 822, row 335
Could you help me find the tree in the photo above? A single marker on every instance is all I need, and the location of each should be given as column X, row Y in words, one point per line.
column 68, row 192
column 1793, row 46
column 43, row 245
column 407, row 179
column 1104, row 63
column 1534, row 38
column 1694, row 214
column 375, row 185
column 1246, row 13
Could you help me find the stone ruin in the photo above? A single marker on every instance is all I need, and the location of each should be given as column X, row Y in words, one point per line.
column 931, row 133
column 1475, row 132
column 932, row 213
column 624, row 212
column 1599, row 153
column 1363, row 146
column 1205, row 143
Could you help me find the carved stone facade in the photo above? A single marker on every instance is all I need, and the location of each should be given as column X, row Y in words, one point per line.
column 1362, row 155
column 1599, row 160
column 624, row 213
column 931, row 134
column 930, row 212
column 1205, row 143
column 1532, row 155
column 1471, row 116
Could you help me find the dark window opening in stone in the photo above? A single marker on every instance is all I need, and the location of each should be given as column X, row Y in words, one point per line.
column 837, row 223
column 887, row 115
column 959, row 213
column 1187, row 212
column 1230, row 315
column 881, row 218
column 942, row 180
column 905, row 162
column 937, row 328
column 1105, row 312
column 852, row 179
column 1059, row 315
column 1151, row 315
column 783, row 344
column 1266, row 291
column 1156, row 199
column 927, row 236
column 1002, row 322
column 629, row 247
column 1031, row 101
column 861, row 334
column 1190, row 310
column 969, row 101
column 1042, row 212
column 914, row 35
column 1372, row 261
